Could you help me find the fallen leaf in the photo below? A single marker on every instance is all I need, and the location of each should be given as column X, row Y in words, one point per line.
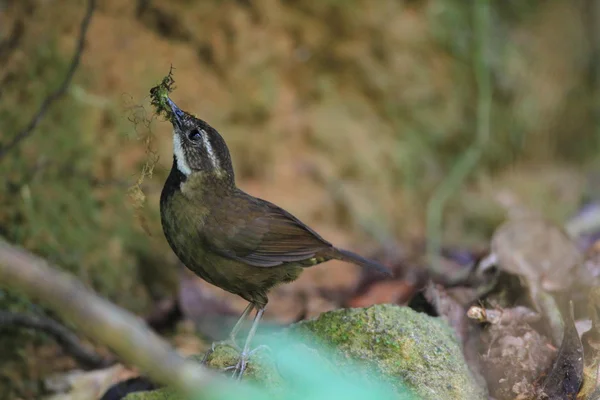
column 89, row 385
column 566, row 376
column 537, row 250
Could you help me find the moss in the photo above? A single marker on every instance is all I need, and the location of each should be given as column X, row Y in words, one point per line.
column 159, row 95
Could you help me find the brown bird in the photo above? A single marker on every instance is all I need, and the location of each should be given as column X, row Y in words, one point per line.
column 240, row 243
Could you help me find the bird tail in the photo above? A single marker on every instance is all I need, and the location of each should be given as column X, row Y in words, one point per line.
column 354, row 258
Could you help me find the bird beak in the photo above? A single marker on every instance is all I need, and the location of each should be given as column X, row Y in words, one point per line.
column 177, row 113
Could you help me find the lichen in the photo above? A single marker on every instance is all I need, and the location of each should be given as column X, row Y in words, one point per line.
column 135, row 192
column 158, row 98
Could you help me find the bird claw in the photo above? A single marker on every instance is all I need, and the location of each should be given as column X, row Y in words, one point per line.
column 240, row 368
column 242, row 363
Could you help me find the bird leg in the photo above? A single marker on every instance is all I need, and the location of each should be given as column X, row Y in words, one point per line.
column 232, row 336
column 245, row 354
column 238, row 325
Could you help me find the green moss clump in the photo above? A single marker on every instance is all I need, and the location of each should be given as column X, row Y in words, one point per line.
column 160, row 93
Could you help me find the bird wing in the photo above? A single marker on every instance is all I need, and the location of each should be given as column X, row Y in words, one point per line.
column 259, row 233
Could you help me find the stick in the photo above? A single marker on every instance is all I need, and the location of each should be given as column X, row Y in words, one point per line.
column 127, row 335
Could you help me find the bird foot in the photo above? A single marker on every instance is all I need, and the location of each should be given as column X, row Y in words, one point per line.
column 229, row 342
column 240, row 367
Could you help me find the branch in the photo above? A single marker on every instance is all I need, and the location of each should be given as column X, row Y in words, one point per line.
column 63, row 336
column 58, row 93
column 127, row 335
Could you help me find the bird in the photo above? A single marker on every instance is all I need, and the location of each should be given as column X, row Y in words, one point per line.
column 231, row 239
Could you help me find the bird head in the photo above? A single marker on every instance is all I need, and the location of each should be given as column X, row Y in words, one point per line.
column 197, row 146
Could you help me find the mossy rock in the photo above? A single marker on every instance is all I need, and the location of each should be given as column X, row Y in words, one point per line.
column 406, row 346
column 410, row 354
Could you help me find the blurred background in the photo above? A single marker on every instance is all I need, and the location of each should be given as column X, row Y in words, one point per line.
column 348, row 113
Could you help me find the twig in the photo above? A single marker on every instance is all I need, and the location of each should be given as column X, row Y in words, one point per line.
column 9, row 45
column 469, row 159
column 62, row 89
column 63, row 336
column 127, row 335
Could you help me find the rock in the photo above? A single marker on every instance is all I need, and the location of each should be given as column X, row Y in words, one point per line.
column 402, row 344
column 394, row 350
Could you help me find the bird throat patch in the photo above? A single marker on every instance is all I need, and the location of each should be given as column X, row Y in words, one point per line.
column 182, row 164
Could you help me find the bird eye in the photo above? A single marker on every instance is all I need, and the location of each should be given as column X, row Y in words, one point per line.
column 194, row 135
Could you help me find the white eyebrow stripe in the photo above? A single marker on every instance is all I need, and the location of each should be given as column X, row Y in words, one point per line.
column 211, row 153
column 182, row 164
